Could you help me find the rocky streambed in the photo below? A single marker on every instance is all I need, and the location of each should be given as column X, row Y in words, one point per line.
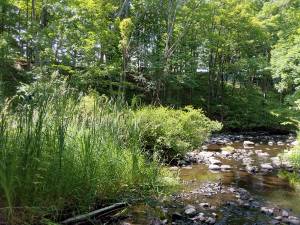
column 232, row 179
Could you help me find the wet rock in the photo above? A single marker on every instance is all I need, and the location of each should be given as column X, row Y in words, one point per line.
column 292, row 220
column 177, row 216
column 247, row 161
column 190, row 210
column 276, row 162
column 280, row 143
column 220, row 142
column 251, row 169
column 204, row 205
column 284, row 213
column 267, row 211
column 278, row 217
column 258, row 151
column 226, row 153
column 214, row 161
column 266, row 167
column 210, row 220
column 163, row 222
column 200, row 217
column 274, row 222
column 248, row 143
column 214, row 167
column 225, row 167
column 270, row 143
column 263, row 154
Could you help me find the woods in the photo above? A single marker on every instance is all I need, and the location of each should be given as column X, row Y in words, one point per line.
column 100, row 96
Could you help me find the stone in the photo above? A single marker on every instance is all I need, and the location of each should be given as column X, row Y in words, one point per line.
column 278, row 217
column 276, row 162
column 274, row 222
column 247, row 143
column 280, row 143
column 210, row 220
column 220, row 142
column 247, row 161
column 225, row 167
column 263, row 154
column 190, row 210
column 214, row 161
column 226, row 153
column 214, row 167
column 165, row 221
column 176, row 216
column 295, row 143
column 266, row 166
column 292, row 220
column 251, row 169
column 267, row 211
column 284, row 213
column 204, row 205
column 270, row 143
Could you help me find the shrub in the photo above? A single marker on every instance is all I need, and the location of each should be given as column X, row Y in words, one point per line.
column 171, row 133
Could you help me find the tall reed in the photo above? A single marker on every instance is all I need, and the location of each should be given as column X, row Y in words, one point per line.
column 61, row 151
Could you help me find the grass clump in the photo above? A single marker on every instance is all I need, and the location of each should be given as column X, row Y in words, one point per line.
column 61, row 152
column 293, row 155
column 55, row 155
column 171, row 133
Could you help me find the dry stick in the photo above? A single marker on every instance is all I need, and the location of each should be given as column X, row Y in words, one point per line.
column 95, row 213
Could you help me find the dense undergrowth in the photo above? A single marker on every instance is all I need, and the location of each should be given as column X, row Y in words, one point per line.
column 71, row 151
column 171, row 133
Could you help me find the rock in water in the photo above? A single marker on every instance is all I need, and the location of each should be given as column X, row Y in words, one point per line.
column 214, row 161
column 266, row 167
column 248, row 143
column 190, row 210
column 214, row 167
column 225, row 167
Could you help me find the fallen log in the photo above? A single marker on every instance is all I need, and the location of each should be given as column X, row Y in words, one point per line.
column 95, row 213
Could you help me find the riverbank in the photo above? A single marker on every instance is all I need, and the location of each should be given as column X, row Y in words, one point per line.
column 232, row 179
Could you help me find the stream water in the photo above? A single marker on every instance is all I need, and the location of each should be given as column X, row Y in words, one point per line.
column 233, row 196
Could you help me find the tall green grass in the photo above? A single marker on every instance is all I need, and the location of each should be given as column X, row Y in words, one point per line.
column 59, row 152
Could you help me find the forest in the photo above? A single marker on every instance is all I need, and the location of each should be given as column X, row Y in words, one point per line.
column 151, row 112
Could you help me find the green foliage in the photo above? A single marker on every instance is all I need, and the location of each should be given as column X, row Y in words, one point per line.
column 70, row 152
column 170, row 132
column 285, row 63
column 293, row 178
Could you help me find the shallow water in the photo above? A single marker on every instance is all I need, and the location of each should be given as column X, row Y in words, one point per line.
column 266, row 188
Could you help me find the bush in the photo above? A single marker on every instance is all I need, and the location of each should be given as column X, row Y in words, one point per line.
column 171, row 133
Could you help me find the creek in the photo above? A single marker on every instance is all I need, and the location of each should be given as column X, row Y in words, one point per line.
column 228, row 185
